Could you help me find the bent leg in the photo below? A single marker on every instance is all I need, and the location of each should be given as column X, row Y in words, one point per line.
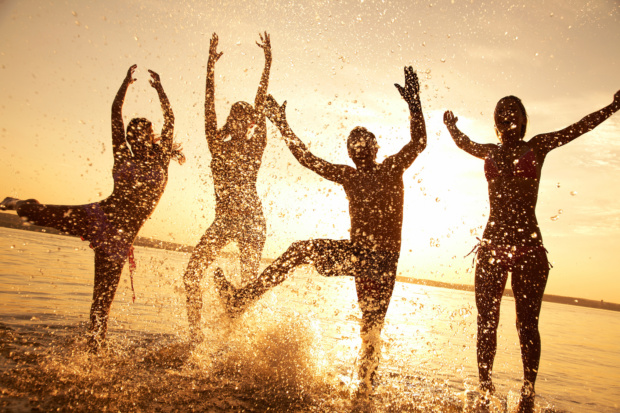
column 72, row 219
column 299, row 253
column 203, row 255
column 489, row 287
column 528, row 283
column 107, row 275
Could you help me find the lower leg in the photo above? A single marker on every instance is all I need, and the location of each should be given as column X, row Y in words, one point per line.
column 486, row 341
column 529, row 338
column 237, row 299
column 370, row 354
column 203, row 255
column 193, row 293
column 374, row 291
column 107, row 276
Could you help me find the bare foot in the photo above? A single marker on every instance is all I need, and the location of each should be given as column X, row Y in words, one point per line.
column 526, row 403
column 8, row 204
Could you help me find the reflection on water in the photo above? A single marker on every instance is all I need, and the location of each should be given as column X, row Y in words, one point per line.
column 293, row 351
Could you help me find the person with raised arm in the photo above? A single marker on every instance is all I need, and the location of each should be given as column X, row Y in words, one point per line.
column 512, row 241
column 375, row 192
column 140, row 175
column 236, row 156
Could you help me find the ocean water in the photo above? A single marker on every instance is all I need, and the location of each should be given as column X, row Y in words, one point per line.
column 295, row 350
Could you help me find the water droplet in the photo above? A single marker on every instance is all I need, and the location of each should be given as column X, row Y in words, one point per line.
column 573, row 193
column 534, row 235
column 555, row 218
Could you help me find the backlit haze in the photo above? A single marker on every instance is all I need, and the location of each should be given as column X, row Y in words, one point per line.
column 335, row 62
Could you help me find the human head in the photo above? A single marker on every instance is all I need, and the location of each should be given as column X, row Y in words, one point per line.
column 362, row 146
column 240, row 117
column 140, row 135
column 510, row 115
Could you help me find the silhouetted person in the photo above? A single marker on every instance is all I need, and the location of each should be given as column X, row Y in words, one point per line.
column 140, row 174
column 512, row 241
column 375, row 192
column 237, row 151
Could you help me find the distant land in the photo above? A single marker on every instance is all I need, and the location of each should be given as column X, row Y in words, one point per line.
column 11, row 220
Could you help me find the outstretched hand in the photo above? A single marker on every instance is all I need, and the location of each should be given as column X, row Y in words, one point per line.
column 265, row 44
column 129, row 78
column 213, row 54
column 155, row 80
column 616, row 102
column 411, row 91
column 275, row 112
column 449, row 119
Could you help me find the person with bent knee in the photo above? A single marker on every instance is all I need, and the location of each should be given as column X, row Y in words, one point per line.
column 375, row 192
column 237, row 152
column 111, row 225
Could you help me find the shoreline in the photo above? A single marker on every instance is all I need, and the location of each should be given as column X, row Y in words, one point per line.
column 11, row 220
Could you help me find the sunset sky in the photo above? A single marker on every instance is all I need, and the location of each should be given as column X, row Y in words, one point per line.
column 335, row 62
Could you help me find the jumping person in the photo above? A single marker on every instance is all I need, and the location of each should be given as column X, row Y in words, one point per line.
column 237, row 151
column 512, row 241
column 375, row 192
column 140, row 174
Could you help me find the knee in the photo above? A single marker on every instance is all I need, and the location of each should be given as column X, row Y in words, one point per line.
column 190, row 281
column 299, row 251
column 488, row 321
column 299, row 247
column 528, row 329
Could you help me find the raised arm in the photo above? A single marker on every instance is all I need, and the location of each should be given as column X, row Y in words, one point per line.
column 119, row 145
column 411, row 93
column 261, row 94
column 478, row 150
column 210, row 118
column 549, row 141
column 277, row 114
column 259, row 140
column 167, row 131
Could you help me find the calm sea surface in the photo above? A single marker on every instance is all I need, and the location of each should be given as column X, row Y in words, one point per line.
column 293, row 351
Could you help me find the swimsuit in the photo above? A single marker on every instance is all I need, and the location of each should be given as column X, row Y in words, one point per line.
column 153, row 178
column 508, row 256
column 524, row 167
